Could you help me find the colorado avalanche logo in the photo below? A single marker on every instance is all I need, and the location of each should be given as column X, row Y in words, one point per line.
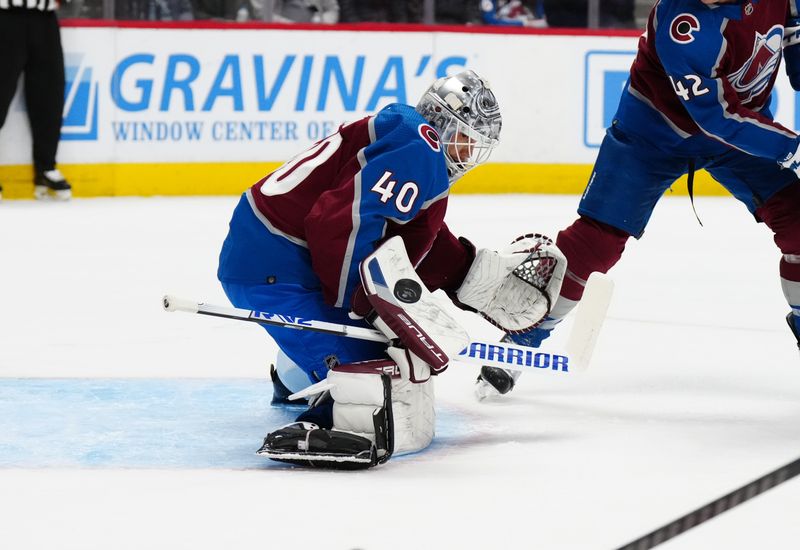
column 682, row 27
column 430, row 136
column 755, row 75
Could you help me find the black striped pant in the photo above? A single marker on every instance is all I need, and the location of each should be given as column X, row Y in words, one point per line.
column 30, row 45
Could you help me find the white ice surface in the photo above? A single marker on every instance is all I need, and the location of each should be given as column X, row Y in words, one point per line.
column 694, row 391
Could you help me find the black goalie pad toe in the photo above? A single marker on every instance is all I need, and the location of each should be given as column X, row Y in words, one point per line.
column 307, row 444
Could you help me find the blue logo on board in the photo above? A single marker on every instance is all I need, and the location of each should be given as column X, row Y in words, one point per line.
column 606, row 75
column 80, row 100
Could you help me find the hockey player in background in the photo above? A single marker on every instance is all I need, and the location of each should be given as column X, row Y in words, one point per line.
column 513, row 13
column 697, row 97
column 354, row 228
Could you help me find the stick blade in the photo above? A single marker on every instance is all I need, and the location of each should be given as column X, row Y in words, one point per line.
column 589, row 319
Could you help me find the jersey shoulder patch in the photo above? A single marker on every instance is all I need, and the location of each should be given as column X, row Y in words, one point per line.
column 682, row 28
column 429, row 134
column 689, row 36
column 684, row 20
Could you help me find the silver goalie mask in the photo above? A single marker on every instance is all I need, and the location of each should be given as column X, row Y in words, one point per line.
column 465, row 113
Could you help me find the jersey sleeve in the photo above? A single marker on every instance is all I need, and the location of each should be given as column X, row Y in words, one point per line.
column 420, row 233
column 396, row 185
column 791, row 46
column 692, row 47
column 447, row 262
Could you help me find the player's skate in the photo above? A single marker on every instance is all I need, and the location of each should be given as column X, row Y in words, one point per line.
column 280, row 393
column 791, row 320
column 287, row 378
column 494, row 381
column 51, row 184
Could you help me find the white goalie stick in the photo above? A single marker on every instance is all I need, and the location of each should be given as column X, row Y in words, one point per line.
column 575, row 357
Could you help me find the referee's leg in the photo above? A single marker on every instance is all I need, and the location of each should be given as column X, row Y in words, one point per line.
column 13, row 45
column 44, row 89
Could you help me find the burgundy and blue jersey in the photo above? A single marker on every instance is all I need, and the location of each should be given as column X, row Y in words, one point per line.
column 510, row 13
column 702, row 79
column 377, row 177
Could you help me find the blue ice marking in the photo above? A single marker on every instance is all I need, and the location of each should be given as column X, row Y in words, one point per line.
column 146, row 423
column 120, row 423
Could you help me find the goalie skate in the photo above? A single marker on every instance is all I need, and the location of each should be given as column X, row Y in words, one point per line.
column 281, row 395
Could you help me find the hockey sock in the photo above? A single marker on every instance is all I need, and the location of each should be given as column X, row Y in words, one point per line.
column 790, row 282
column 589, row 246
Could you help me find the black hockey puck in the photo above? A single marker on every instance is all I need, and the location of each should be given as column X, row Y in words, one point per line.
column 407, row 291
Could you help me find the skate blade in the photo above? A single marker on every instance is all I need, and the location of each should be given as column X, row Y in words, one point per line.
column 484, row 391
column 42, row 193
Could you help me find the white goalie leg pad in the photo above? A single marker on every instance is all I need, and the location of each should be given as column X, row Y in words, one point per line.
column 515, row 288
column 425, row 323
column 414, row 415
column 359, row 393
column 412, row 402
column 356, row 397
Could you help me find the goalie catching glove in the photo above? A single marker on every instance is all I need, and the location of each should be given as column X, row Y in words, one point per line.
column 514, row 288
